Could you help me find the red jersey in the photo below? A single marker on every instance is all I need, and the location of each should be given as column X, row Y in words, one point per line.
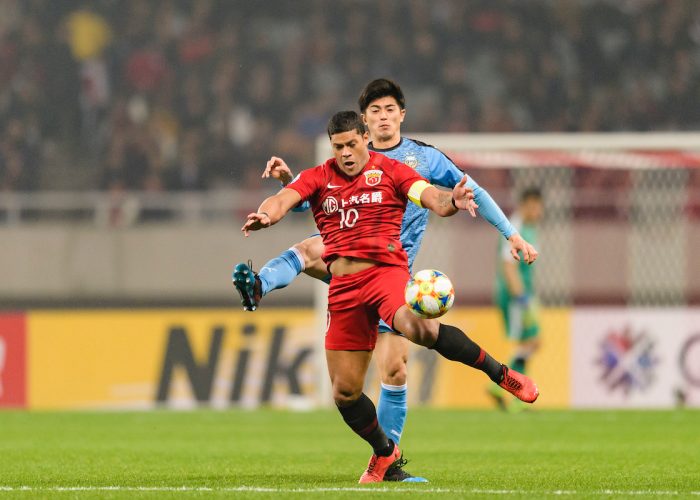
column 359, row 216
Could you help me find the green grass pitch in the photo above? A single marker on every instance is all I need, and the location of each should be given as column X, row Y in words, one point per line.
column 273, row 454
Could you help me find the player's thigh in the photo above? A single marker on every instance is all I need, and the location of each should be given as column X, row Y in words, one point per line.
column 386, row 291
column 311, row 250
column 418, row 330
column 347, row 370
column 391, row 356
column 351, row 322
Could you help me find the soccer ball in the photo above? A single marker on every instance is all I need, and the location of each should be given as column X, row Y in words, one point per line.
column 429, row 294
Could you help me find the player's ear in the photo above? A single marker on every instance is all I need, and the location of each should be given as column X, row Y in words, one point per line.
column 365, row 136
column 403, row 114
column 364, row 118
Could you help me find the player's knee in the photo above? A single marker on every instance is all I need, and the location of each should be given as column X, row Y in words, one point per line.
column 301, row 249
column 311, row 250
column 395, row 372
column 419, row 331
column 425, row 332
column 345, row 393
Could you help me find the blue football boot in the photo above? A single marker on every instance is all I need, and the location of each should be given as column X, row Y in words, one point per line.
column 395, row 472
column 248, row 285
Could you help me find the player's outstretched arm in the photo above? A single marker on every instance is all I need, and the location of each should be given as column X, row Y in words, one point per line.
column 445, row 203
column 443, row 172
column 490, row 211
column 271, row 211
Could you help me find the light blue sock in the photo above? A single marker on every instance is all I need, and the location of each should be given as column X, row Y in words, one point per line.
column 281, row 271
column 391, row 410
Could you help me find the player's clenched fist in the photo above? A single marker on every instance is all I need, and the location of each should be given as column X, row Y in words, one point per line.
column 255, row 222
column 463, row 196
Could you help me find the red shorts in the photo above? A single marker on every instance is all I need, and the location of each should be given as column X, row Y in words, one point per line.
column 357, row 301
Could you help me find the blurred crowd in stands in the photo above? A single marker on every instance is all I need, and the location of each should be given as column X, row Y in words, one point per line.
column 187, row 95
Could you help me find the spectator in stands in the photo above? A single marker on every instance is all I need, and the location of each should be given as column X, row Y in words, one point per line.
column 149, row 77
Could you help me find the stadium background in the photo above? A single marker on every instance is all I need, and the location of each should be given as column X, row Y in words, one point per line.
column 133, row 135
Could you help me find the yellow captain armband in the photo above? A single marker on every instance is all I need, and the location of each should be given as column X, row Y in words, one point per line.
column 416, row 190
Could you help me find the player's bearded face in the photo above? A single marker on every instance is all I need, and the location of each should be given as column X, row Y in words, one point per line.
column 350, row 151
column 383, row 118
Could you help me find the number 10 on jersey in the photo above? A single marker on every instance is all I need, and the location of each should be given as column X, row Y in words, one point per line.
column 348, row 217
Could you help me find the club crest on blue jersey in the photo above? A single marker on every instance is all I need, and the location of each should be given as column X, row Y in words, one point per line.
column 411, row 160
column 373, row 177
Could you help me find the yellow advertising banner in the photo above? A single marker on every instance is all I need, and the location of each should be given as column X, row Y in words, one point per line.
column 222, row 358
column 181, row 358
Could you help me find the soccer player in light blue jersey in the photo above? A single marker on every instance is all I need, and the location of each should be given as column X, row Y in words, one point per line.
column 382, row 104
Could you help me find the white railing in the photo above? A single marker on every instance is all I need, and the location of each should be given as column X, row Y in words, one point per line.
column 126, row 208
column 133, row 208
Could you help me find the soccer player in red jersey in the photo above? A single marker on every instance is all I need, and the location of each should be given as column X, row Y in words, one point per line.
column 358, row 199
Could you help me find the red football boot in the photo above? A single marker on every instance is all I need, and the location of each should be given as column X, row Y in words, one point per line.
column 378, row 466
column 519, row 385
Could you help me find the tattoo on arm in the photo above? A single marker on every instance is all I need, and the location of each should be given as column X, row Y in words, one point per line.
column 445, row 199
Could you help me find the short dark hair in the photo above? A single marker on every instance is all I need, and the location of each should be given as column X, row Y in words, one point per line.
column 381, row 87
column 344, row 121
column 531, row 193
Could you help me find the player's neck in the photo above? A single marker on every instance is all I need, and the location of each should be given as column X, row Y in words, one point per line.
column 387, row 143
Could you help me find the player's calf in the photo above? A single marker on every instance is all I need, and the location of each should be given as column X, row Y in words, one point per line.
column 453, row 344
column 361, row 416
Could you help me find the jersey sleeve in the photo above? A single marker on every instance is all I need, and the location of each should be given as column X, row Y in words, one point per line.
column 445, row 173
column 306, row 183
column 490, row 210
column 302, row 206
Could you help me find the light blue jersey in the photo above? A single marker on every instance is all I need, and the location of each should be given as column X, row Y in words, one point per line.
column 438, row 169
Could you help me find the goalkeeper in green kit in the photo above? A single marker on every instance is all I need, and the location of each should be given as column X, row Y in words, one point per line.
column 515, row 291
